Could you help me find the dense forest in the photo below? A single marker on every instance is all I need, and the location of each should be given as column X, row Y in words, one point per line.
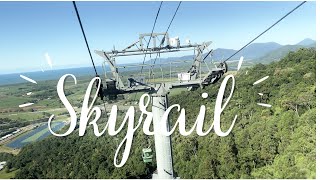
column 276, row 142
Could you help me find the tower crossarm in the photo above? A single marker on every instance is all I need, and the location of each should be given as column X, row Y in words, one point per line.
column 114, row 70
column 195, row 68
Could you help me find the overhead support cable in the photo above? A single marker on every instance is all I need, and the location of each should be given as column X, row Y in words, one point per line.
column 154, row 25
column 163, row 39
column 175, row 13
column 84, row 36
column 100, row 90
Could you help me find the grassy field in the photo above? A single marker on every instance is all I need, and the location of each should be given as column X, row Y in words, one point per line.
column 44, row 97
column 22, row 115
column 7, row 175
column 6, row 149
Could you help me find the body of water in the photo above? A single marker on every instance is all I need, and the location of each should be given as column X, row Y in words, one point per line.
column 34, row 135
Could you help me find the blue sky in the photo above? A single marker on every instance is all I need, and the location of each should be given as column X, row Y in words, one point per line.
column 28, row 30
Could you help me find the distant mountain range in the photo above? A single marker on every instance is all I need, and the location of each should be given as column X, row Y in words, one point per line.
column 283, row 50
column 258, row 52
column 306, row 42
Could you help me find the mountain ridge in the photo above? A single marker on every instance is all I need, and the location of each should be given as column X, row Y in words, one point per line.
column 255, row 51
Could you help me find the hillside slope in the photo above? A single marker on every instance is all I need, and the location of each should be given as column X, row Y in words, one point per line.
column 279, row 53
column 276, row 142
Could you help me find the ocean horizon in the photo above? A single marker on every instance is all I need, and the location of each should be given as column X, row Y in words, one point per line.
column 14, row 78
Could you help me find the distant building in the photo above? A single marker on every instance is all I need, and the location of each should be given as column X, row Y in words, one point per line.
column 2, row 164
column 6, row 136
column 16, row 131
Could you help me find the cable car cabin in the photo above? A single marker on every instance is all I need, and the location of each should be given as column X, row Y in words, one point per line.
column 147, row 155
column 111, row 91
